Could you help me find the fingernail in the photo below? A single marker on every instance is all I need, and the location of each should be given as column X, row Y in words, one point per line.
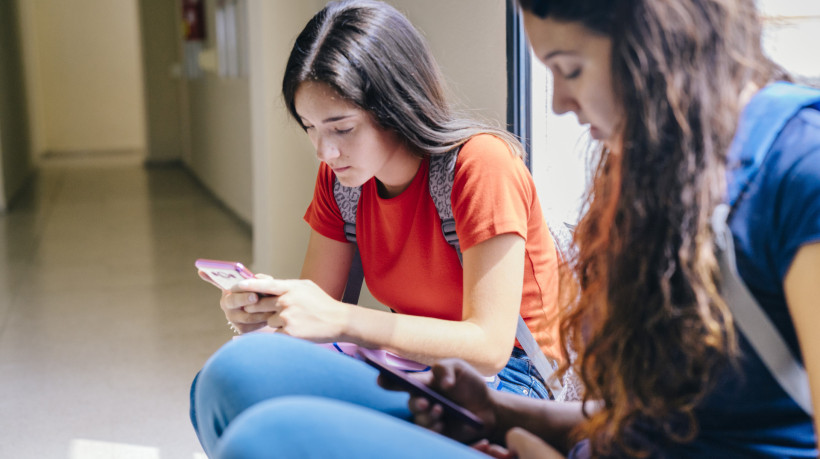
column 252, row 298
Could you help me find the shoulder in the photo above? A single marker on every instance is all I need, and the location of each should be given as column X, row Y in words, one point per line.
column 810, row 116
column 487, row 152
column 788, row 188
column 805, row 127
column 797, row 149
column 485, row 145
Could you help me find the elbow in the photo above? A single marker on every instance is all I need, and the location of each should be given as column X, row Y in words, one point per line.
column 492, row 361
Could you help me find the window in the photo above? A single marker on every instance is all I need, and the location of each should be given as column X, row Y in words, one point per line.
column 791, row 32
column 558, row 145
column 555, row 144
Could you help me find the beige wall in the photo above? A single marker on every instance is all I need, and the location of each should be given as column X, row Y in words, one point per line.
column 467, row 37
column 89, row 75
column 217, row 124
column 161, row 54
column 284, row 165
column 220, row 142
column 31, row 65
column 15, row 163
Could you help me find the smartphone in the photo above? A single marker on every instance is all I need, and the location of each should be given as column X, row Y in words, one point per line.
column 223, row 274
column 452, row 411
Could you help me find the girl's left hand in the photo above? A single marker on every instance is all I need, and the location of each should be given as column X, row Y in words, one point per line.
column 300, row 308
column 525, row 445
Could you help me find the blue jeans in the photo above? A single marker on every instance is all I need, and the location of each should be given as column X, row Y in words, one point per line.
column 267, row 367
column 321, row 428
column 520, row 377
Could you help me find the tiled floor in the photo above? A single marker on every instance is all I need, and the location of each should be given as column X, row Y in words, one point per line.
column 103, row 321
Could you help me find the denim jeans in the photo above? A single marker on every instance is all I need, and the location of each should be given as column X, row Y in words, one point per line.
column 322, row 428
column 256, row 369
column 520, row 377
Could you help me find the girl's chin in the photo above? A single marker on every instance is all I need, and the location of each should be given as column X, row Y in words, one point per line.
column 350, row 181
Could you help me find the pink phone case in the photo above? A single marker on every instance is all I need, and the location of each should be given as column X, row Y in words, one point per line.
column 223, row 274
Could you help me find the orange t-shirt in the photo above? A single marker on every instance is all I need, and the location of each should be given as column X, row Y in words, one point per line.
column 410, row 267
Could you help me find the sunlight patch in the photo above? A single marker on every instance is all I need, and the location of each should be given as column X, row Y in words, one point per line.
column 93, row 449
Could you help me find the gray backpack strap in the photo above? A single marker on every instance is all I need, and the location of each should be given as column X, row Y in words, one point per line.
column 442, row 175
column 347, row 198
column 545, row 366
column 753, row 321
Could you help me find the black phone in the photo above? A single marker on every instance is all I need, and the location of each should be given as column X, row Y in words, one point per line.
column 451, row 410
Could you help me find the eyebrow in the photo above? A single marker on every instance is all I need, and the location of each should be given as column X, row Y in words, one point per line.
column 558, row 52
column 332, row 119
column 336, row 118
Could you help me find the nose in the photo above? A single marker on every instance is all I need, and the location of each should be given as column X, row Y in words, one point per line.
column 562, row 99
column 326, row 150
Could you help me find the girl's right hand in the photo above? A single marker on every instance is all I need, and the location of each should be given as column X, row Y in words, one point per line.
column 233, row 305
column 461, row 383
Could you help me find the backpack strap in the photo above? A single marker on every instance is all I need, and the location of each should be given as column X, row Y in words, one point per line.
column 442, row 176
column 347, row 199
column 763, row 119
column 753, row 321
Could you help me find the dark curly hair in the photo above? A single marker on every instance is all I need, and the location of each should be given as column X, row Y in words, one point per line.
column 649, row 325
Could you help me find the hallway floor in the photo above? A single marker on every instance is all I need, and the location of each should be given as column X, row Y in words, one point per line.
column 103, row 320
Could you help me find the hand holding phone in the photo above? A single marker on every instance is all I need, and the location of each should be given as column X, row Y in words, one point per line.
column 223, row 274
column 415, row 387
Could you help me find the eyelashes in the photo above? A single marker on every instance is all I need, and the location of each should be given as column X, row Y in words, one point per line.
column 575, row 74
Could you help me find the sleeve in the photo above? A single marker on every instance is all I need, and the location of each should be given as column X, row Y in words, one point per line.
column 323, row 213
column 798, row 199
column 492, row 192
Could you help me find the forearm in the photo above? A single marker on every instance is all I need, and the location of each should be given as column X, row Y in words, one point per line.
column 428, row 340
column 551, row 421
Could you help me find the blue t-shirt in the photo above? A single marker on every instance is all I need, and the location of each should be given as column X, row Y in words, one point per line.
column 748, row 414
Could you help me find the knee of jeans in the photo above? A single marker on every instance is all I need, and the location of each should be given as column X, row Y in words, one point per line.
column 286, row 424
column 227, row 366
column 192, row 408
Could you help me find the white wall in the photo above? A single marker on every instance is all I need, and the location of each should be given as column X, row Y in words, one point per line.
column 89, row 78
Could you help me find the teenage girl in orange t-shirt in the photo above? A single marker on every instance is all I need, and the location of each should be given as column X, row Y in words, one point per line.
column 363, row 85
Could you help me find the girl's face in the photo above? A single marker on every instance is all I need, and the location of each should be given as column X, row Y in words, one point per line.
column 580, row 62
column 351, row 142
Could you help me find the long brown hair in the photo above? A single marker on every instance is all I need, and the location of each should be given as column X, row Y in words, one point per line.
column 371, row 55
column 649, row 325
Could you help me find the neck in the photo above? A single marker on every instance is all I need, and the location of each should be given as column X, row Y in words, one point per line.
column 393, row 182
